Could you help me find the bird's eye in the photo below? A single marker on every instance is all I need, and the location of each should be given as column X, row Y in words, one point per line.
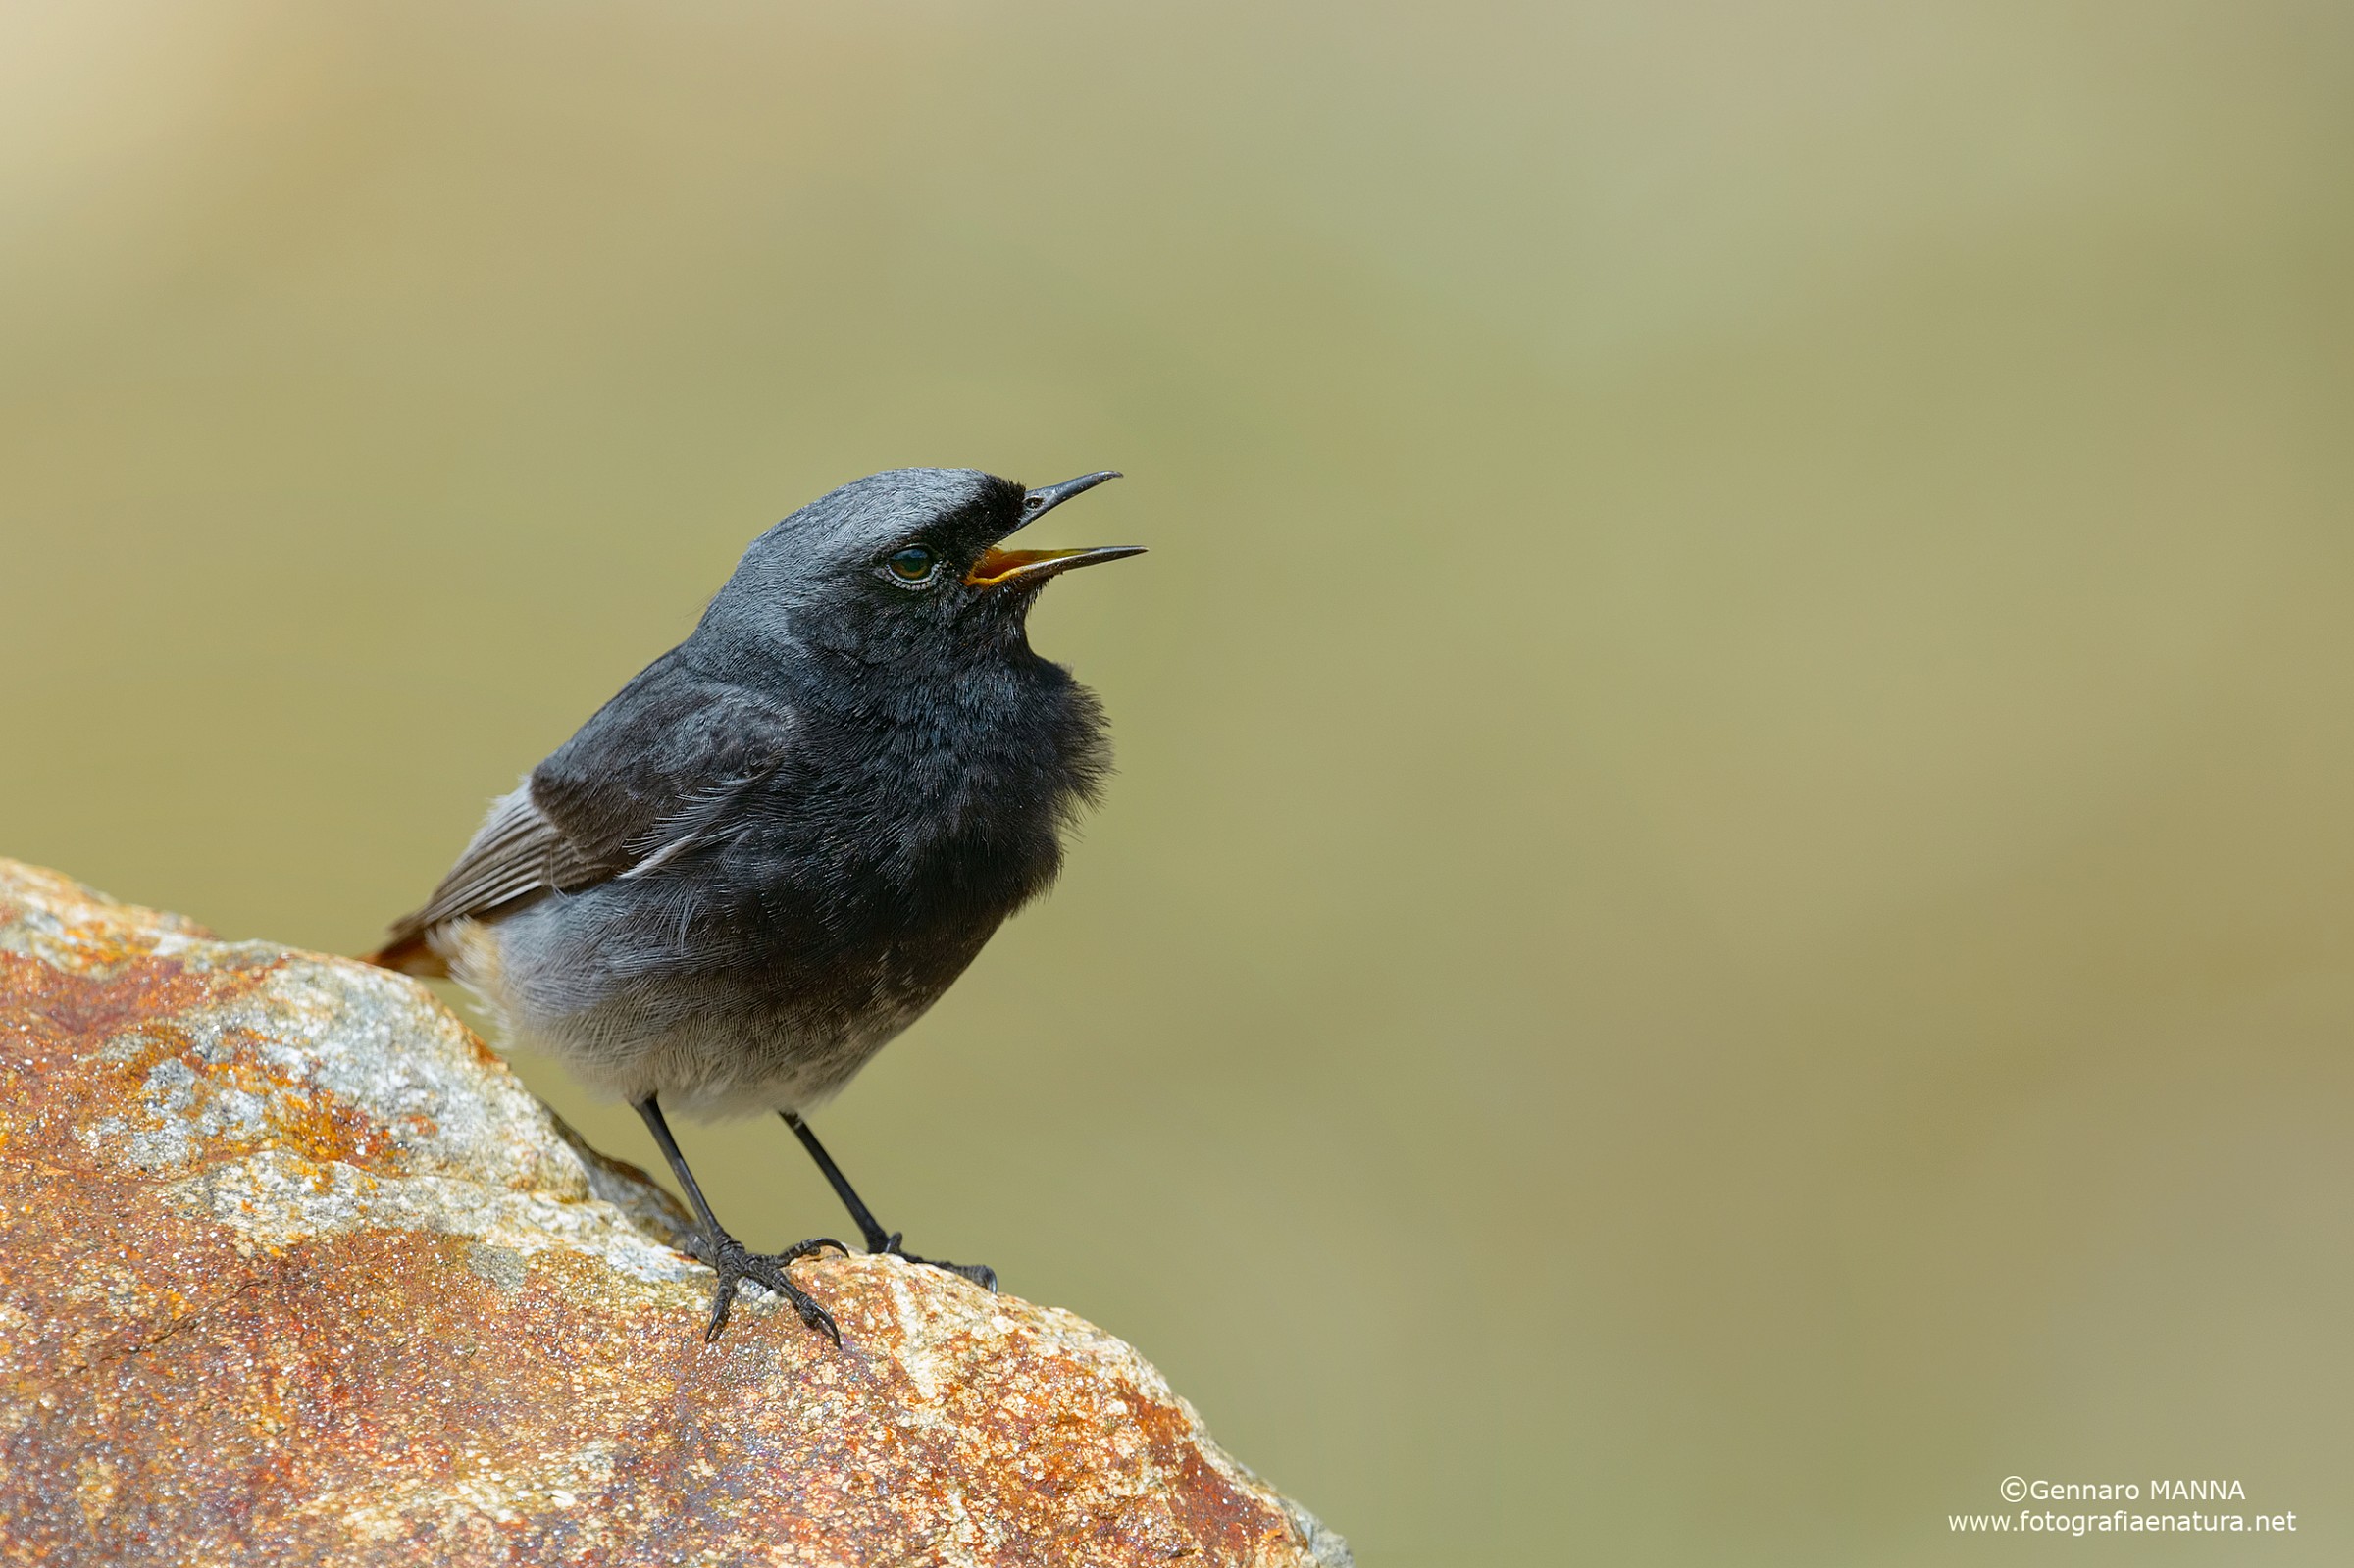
column 914, row 564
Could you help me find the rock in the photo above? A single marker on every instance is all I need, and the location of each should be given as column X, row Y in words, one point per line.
column 295, row 1271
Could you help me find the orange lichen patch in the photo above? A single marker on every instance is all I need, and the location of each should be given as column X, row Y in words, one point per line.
column 76, row 1005
column 293, row 1110
column 289, row 1274
column 84, row 1042
column 55, row 1026
column 72, row 927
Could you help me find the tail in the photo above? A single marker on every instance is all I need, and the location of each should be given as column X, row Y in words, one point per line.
column 408, row 953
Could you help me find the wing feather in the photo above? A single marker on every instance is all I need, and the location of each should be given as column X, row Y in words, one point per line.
column 661, row 769
column 517, row 853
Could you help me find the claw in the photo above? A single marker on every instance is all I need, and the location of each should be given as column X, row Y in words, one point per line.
column 818, row 1318
column 721, row 1300
column 981, row 1274
column 735, row 1263
column 802, row 1249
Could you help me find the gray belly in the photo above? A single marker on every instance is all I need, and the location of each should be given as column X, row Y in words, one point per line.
column 714, row 1017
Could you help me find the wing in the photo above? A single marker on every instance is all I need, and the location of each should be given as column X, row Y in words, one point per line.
column 658, row 771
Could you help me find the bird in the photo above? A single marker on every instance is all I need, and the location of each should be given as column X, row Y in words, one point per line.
column 783, row 841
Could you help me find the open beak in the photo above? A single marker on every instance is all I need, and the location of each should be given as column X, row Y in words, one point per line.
column 999, row 569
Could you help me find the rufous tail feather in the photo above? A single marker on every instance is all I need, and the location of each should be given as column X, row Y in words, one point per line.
column 411, row 956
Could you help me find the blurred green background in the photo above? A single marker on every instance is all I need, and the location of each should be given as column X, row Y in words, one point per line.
column 1729, row 909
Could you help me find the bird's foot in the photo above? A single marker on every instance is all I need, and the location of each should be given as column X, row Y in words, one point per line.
column 735, row 1263
column 981, row 1274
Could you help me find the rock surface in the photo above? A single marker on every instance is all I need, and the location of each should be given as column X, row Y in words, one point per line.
column 293, row 1271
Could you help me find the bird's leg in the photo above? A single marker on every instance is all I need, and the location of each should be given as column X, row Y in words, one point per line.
column 731, row 1258
column 876, row 1238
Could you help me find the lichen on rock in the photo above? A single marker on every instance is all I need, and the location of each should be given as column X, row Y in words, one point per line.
column 294, row 1271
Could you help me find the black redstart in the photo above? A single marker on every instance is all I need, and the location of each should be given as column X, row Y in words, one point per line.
column 780, row 843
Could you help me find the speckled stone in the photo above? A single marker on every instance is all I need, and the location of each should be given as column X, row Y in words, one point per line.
column 293, row 1271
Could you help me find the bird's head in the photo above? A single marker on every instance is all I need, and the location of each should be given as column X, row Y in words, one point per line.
column 904, row 564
